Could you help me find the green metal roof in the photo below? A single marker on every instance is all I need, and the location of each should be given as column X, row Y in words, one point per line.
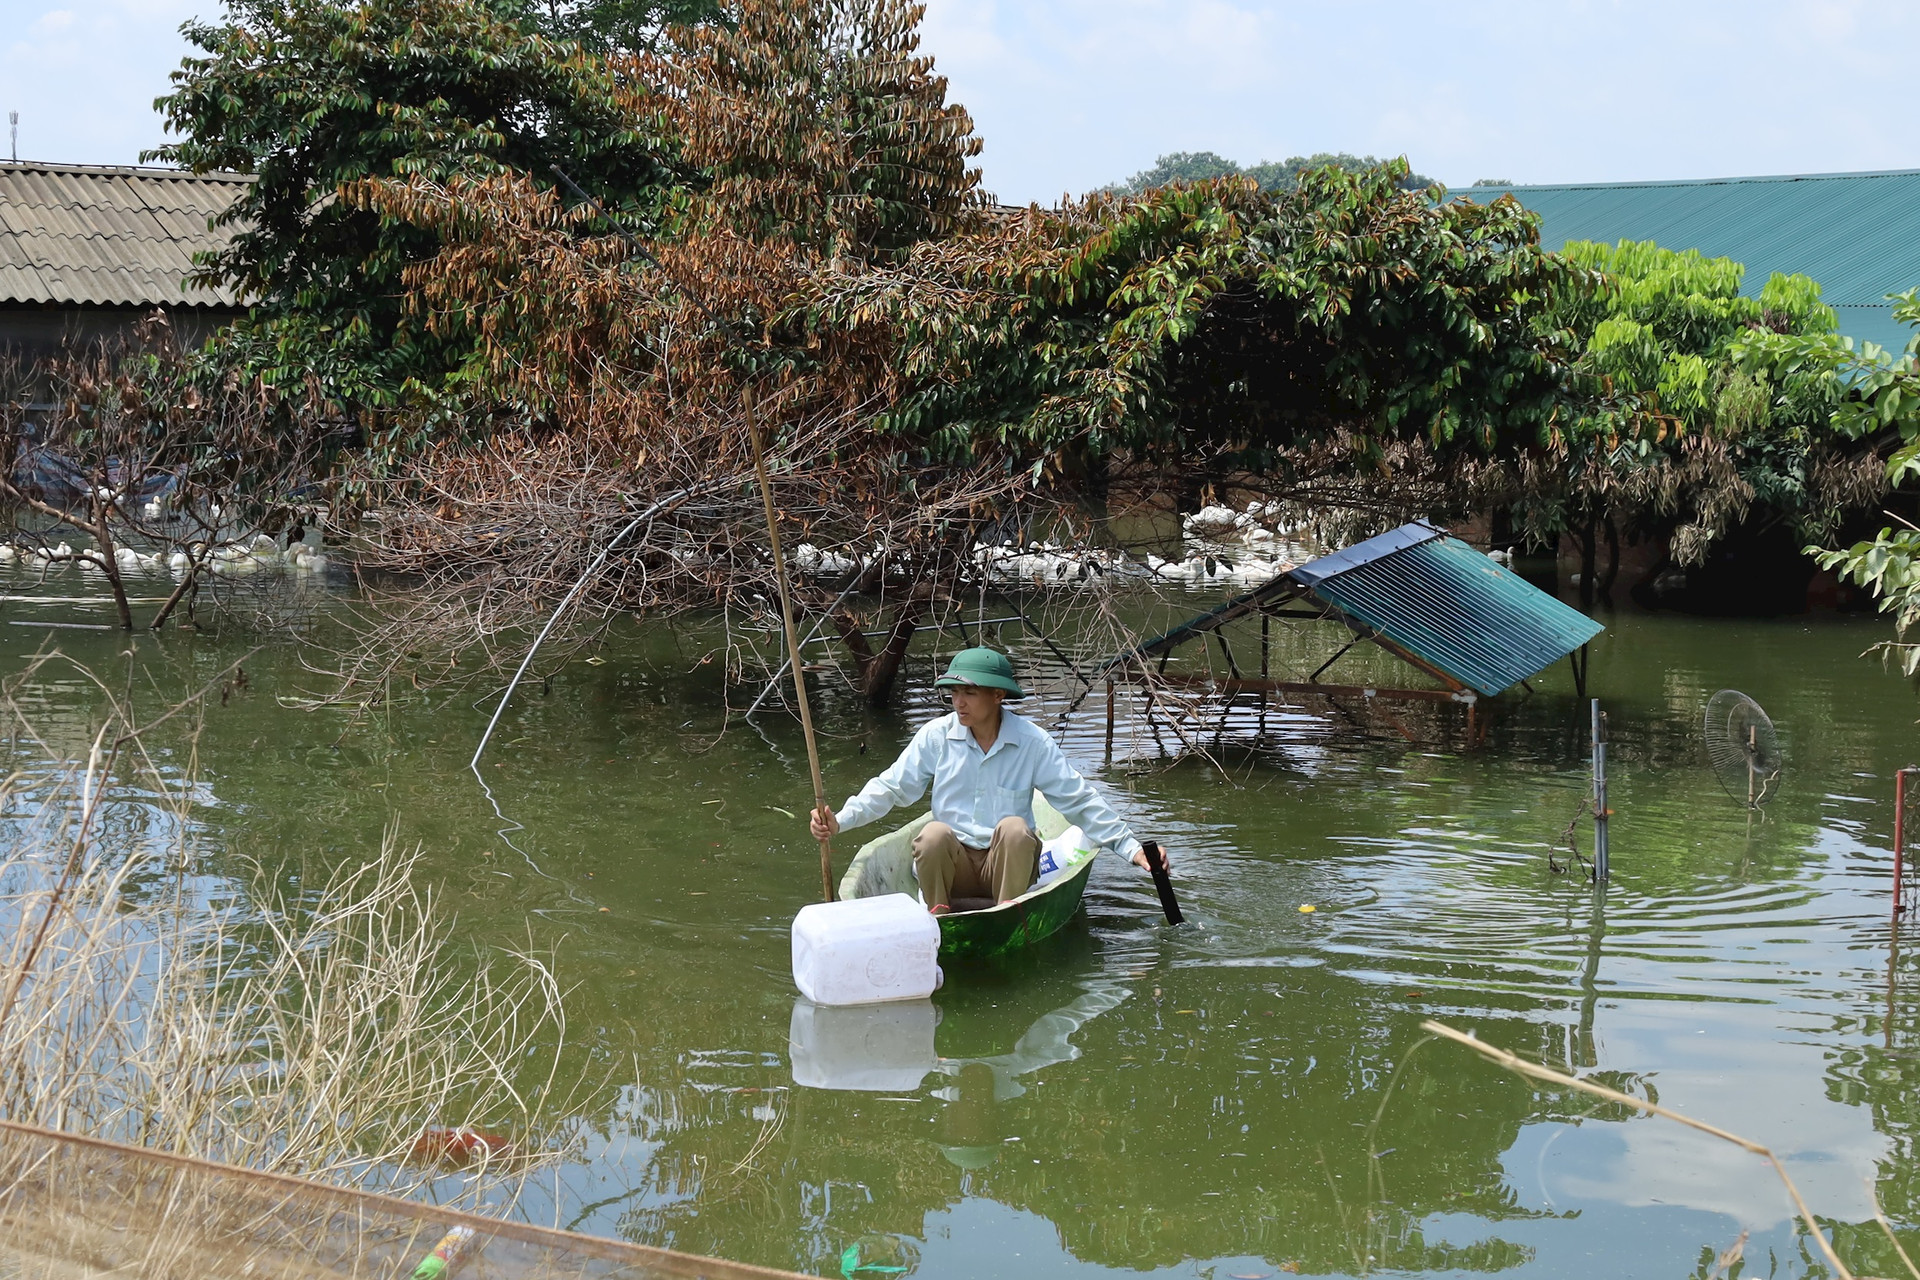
column 1419, row 591
column 1451, row 605
column 1857, row 234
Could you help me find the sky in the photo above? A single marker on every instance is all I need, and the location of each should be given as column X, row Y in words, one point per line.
column 1072, row 94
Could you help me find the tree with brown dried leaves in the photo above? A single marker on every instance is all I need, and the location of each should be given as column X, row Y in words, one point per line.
column 933, row 367
column 605, row 376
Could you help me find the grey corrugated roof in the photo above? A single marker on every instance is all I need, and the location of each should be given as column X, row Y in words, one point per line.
column 1857, row 234
column 105, row 235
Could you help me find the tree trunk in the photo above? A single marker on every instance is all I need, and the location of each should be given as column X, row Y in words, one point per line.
column 103, row 538
column 179, row 592
column 97, row 526
column 1588, row 549
column 879, row 670
column 1098, row 486
column 1613, row 560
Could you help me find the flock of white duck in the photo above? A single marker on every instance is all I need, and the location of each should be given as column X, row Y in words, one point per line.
column 1222, row 546
column 236, row 559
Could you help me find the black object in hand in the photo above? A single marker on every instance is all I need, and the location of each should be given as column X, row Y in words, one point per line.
column 1158, row 867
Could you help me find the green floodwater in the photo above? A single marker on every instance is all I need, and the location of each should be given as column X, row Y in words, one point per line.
column 1241, row 1097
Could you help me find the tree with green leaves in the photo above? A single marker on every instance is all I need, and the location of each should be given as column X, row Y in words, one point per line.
column 930, row 368
column 1673, row 433
column 618, row 26
column 314, row 95
column 1284, row 175
column 1883, row 401
column 1271, row 175
column 1347, row 331
column 619, row 371
column 1177, row 166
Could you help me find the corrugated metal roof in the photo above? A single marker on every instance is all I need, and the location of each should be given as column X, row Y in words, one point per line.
column 1314, row 572
column 1857, row 234
column 1449, row 605
column 104, row 235
column 1416, row 591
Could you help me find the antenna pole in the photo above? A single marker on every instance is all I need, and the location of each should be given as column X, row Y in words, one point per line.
column 1600, row 811
column 793, row 642
column 13, row 126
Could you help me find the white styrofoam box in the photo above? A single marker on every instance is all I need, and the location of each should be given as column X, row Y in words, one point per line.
column 866, row 950
column 1057, row 854
column 881, row 1048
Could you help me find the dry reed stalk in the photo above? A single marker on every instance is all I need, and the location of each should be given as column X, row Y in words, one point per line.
column 1513, row 1062
column 319, row 1037
column 322, row 1034
column 1879, row 1216
column 770, row 1128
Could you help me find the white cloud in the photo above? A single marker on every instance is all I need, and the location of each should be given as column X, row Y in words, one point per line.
column 1830, row 1149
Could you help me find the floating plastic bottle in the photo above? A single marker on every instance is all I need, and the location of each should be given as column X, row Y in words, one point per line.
column 866, row 950
column 445, row 1256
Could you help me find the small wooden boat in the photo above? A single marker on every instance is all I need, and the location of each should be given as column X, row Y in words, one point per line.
column 885, row 865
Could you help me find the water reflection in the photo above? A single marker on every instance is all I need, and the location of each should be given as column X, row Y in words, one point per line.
column 1046, row 1043
column 890, row 1048
column 876, row 1048
column 1231, row 1109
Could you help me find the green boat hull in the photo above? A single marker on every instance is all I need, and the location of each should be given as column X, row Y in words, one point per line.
column 885, row 865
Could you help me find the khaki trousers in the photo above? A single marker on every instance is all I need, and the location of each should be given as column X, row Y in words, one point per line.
column 948, row 869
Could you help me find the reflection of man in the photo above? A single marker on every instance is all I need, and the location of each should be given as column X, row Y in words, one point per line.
column 968, row 1128
column 984, row 764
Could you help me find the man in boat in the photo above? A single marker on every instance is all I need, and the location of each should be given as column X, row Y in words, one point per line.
column 983, row 763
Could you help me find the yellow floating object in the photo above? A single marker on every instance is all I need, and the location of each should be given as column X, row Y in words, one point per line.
column 1306, row 908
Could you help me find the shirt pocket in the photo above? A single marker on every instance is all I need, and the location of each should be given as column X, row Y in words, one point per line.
column 1012, row 802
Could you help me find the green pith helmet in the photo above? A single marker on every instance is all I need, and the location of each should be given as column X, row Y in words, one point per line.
column 986, row 668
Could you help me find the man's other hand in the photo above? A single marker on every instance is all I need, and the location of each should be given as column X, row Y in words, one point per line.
column 825, row 826
column 1140, row 859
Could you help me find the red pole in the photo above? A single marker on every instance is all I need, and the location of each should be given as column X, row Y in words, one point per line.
column 1899, row 833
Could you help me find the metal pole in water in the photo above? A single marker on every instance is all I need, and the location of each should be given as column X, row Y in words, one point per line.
column 1899, row 834
column 1109, row 720
column 1599, row 793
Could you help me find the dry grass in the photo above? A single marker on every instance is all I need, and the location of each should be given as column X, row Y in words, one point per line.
column 283, row 1061
column 324, row 1025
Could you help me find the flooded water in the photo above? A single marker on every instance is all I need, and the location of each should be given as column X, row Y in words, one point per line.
column 1245, row 1096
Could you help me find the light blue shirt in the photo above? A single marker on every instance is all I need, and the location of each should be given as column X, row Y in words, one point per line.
column 974, row 789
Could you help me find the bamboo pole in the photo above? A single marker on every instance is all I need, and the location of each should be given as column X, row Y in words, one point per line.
column 793, row 639
column 1515, row 1063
